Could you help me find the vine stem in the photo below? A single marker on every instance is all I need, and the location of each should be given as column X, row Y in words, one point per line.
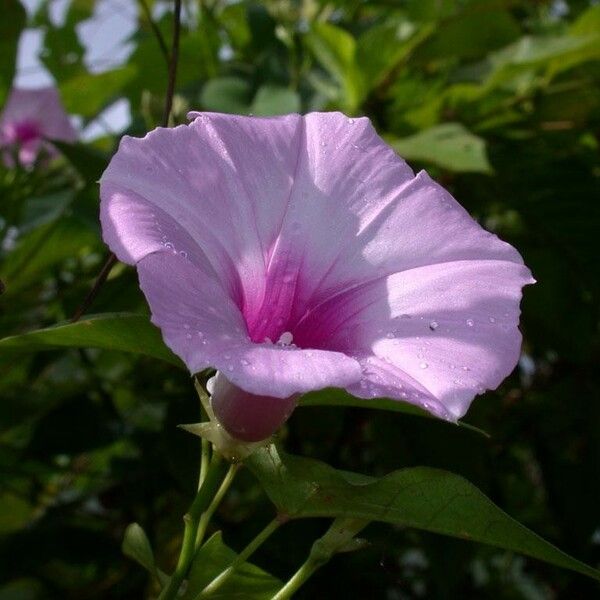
column 155, row 29
column 210, row 511
column 191, row 519
column 241, row 558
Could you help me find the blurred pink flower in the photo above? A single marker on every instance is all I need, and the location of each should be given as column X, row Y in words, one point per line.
column 30, row 118
column 297, row 253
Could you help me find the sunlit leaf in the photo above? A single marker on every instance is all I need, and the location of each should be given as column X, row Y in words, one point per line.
column 449, row 145
column 122, row 332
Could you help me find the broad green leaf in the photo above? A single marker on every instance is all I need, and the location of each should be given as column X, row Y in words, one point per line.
column 421, row 497
column 449, row 145
column 124, row 332
column 11, row 24
column 335, row 49
column 248, row 582
column 227, row 94
column 275, row 100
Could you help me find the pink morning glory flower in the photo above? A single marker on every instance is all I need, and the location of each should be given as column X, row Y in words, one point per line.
column 30, row 118
column 297, row 253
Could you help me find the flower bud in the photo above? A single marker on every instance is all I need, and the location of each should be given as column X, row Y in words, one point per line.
column 245, row 416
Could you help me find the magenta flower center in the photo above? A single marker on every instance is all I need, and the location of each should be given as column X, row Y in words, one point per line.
column 22, row 132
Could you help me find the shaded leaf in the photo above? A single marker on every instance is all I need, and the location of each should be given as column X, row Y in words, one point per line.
column 338, row 397
column 421, row 497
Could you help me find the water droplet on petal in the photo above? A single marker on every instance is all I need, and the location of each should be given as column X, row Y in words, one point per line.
column 286, row 338
column 470, row 322
column 492, row 319
column 423, row 365
column 390, row 335
column 433, row 325
column 188, row 336
column 210, row 385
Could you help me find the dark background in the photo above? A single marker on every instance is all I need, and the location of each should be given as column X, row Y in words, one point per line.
column 500, row 101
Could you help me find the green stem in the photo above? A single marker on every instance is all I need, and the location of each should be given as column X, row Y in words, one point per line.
column 210, row 511
column 336, row 539
column 299, row 578
column 241, row 558
column 192, row 519
column 205, row 455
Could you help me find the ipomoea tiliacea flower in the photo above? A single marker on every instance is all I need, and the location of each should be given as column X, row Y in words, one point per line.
column 300, row 252
column 29, row 120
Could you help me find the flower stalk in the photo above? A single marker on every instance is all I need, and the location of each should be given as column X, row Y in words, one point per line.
column 210, row 486
column 338, row 538
column 209, row 512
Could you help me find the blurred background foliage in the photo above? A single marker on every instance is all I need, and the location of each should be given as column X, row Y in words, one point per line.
column 497, row 99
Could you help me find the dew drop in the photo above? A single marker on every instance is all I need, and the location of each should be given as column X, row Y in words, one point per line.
column 183, row 254
column 470, row 322
column 227, row 356
column 390, row 335
column 244, row 362
column 188, row 336
column 286, row 338
column 433, row 325
column 465, row 368
column 210, row 385
column 492, row 319
column 186, row 326
column 288, row 278
column 423, row 365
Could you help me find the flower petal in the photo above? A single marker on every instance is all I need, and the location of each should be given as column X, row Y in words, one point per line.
column 434, row 336
column 42, row 105
column 202, row 325
column 224, row 180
